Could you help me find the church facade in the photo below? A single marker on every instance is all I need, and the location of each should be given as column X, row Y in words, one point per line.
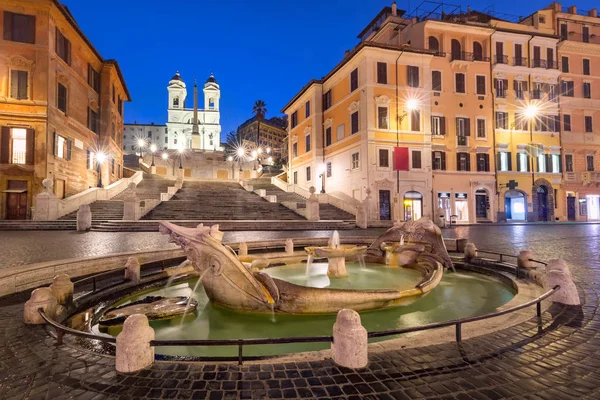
column 188, row 128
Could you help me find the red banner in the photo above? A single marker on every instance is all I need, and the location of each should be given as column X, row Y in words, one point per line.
column 401, row 159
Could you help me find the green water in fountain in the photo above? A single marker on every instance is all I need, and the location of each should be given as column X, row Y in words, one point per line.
column 459, row 295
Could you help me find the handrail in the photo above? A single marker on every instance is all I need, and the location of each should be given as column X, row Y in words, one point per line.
column 95, row 277
column 61, row 330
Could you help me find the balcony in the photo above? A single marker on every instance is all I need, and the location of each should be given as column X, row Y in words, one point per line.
column 500, row 59
column 519, row 61
column 462, row 56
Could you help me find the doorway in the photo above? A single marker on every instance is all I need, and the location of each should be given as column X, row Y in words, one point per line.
column 481, row 204
column 542, row 203
column 59, row 188
column 571, row 211
column 16, row 200
column 514, row 202
column 413, row 206
column 384, row 205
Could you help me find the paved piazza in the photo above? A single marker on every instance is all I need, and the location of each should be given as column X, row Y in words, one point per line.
column 558, row 358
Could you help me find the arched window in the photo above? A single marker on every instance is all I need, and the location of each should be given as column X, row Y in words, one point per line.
column 211, row 104
column 433, row 43
column 175, row 101
column 477, row 51
column 456, row 49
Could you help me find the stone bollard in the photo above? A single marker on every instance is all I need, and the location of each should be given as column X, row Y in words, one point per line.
column 470, row 251
column 84, row 218
column 349, row 347
column 312, row 206
column 289, row 246
column 133, row 344
column 132, row 270
column 62, row 289
column 243, row 249
column 557, row 273
column 40, row 298
column 523, row 259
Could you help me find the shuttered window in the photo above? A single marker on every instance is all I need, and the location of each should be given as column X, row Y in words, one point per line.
column 382, row 73
column 62, row 98
column 93, row 78
column 63, row 47
column 92, row 120
column 19, row 27
column 19, row 81
column 17, row 146
column 412, row 73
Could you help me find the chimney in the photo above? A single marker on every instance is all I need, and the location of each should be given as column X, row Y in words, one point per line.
column 593, row 13
column 347, row 53
column 394, row 9
column 573, row 10
column 557, row 6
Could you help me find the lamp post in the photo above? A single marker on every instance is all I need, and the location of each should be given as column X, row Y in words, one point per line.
column 531, row 112
column 153, row 150
column 180, row 151
column 241, row 153
column 322, row 169
column 411, row 105
column 100, row 158
column 141, row 144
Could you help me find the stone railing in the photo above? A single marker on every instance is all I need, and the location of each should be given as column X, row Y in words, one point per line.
column 280, row 183
column 49, row 207
column 341, row 201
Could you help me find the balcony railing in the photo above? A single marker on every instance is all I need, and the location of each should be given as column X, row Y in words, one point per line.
column 500, row 59
column 579, row 37
column 462, row 56
column 536, row 95
column 520, row 61
column 440, row 54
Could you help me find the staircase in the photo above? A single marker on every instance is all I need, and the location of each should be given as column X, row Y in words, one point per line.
column 102, row 210
column 210, row 200
column 149, row 188
column 326, row 211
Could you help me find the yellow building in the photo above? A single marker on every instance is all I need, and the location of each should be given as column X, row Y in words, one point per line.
column 60, row 103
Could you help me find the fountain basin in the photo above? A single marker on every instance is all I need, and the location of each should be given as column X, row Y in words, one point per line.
column 337, row 256
column 397, row 254
column 154, row 307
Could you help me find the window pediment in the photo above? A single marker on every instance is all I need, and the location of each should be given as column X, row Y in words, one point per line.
column 353, row 106
column 328, row 123
column 382, row 100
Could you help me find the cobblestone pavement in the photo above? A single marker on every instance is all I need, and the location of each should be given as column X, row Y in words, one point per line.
column 555, row 358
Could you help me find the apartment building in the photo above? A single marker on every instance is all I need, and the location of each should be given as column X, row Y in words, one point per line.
column 61, row 103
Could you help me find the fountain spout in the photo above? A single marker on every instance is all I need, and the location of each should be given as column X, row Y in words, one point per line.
column 335, row 240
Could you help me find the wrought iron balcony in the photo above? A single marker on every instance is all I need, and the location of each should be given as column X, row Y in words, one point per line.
column 500, row 59
column 520, row 61
column 462, row 56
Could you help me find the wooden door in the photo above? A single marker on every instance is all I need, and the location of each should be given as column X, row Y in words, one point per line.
column 16, row 205
column 384, row 205
column 571, row 215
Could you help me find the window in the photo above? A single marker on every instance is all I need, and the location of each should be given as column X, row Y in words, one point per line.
column 294, row 119
column 415, row 120
column 501, row 85
column 585, row 36
column 62, row 98
column 120, row 107
column 341, row 132
column 92, row 120
column 567, row 123
column 382, row 73
column 18, row 84
column 518, row 60
column 17, row 141
column 565, row 64
column 537, row 62
column 354, row 123
column 294, row 149
column 501, row 120
column 588, row 123
column 455, row 50
column 463, row 162
column 568, row 163
column 567, row 88
column 520, row 88
column 555, row 160
column 552, row 93
column 295, row 177
column 521, row 122
column 504, row 161
column 382, row 117
column 307, row 143
column 481, row 131
column 114, row 92
column 438, row 125
column 563, row 32
column 416, row 159
column 307, row 109
column 384, row 158
column 354, row 80
column 480, row 80
column 412, row 73
column 589, row 163
column 328, row 136
column 586, row 66
column 483, row 162
column 434, row 44
column 355, row 160
column 327, row 100
column 587, row 90
column 439, row 160
column 308, row 177
column 500, row 53
column 459, row 79
column 328, row 169
column 463, row 129
column 113, row 131
column 550, row 58
column 63, row 47
column 436, row 81
column 166, row 139
column 19, row 27
column 541, row 163
column 113, row 166
column 522, row 162
column 90, row 159
column 62, row 147
column 94, row 80
column 477, row 51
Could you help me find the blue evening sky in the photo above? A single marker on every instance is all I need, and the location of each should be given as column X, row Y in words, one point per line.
column 257, row 49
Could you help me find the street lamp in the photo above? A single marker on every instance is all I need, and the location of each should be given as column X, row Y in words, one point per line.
column 268, row 150
column 411, row 105
column 180, row 151
column 100, row 158
column 165, row 156
column 241, row 154
column 321, row 171
column 141, row 144
column 531, row 112
column 152, row 150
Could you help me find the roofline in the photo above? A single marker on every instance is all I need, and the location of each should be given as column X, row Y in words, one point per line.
column 547, row 35
column 69, row 17
column 355, row 51
column 399, row 13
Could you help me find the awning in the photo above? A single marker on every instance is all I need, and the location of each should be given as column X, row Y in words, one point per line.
column 14, row 191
